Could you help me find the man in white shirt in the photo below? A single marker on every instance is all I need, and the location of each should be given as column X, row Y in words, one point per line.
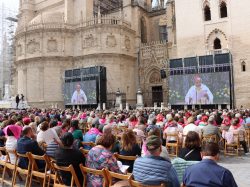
column 191, row 127
column 79, row 97
column 199, row 93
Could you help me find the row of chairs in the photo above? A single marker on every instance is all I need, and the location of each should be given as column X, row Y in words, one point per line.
column 228, row 146
column 52, row 171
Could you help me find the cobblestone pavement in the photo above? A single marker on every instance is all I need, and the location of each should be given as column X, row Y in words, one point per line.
column 240, row 168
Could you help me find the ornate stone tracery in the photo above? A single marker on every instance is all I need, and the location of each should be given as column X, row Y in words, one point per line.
column 52, row 45
column 89, row 41
column 111, row 41
column 33, row 46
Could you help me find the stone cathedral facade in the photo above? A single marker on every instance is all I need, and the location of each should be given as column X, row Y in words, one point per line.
column 133, row 39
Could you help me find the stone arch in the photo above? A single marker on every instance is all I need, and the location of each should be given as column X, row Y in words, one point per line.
column 206, row 11
column 216, row 33
column 243, row 66
column 223, row 9
column 153, row 76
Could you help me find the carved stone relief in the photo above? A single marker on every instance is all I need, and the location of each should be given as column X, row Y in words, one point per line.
column 33, row 46
column 155, row 78
column 127, row 43
column 111, row 41
column 52, row 45
column 19, row 50
column 89, row 41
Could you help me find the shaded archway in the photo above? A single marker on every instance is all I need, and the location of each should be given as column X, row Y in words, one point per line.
column 207, row 13
column 217, row 43
column 223, row 9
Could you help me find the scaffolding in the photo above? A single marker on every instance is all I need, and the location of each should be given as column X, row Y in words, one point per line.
column 8, row 24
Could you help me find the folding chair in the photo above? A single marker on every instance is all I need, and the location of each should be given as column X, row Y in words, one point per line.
column 43, row 175
column 19, row 170
column 85, row 152
column 134, row 183
column 112, row 175
column 174, row 145
column 58, row 180
column 91, row 171
column 10, row 168
column 235, row 145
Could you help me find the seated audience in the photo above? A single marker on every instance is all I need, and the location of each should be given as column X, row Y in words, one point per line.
column 91, row 135
column 210, row 129
column 192, row 149
column 13, row 134
column 153, row 169
column 208, row 172
column 66, row 156
column 77, row 133
column 53, row 146
column 100, row 157
column 238, row 129
column 173, row 129
column 191, row 127
column 46, row 134
column 129, row 147
column 28, row 144
column 164, row 151
column 203, row 121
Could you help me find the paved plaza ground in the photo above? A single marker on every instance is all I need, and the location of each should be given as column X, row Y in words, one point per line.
column 240, row 167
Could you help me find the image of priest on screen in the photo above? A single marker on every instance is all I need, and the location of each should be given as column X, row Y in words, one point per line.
column 199, row 93
column 79, row 97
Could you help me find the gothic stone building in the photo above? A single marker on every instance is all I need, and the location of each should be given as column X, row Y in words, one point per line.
column 55, row 35
column 132, row 38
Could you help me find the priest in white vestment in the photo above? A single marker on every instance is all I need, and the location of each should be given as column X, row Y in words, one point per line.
column 199, row 93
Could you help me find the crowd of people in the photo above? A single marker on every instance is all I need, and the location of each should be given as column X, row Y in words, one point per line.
column 140, row 133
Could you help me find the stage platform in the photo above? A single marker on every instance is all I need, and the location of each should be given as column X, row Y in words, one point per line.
column 12, row 104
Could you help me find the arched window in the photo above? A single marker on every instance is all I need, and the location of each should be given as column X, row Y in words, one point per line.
column 243, row 66
column 207, row 13
column 143, row 31
column 217, row 43
column 223, row 10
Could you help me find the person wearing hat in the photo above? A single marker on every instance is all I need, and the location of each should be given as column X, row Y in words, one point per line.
column 153, row 169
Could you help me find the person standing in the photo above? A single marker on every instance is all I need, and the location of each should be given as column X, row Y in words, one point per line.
column 17, row 100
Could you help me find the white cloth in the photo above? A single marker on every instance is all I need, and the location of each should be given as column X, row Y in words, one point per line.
column 198, row 97
column 191, row 127
column 47, row 136
column 11, row 144
column 79, row 97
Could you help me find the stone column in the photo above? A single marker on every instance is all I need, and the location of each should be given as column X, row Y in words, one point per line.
column 155, row 106
column 162, row 106
column 118, row 100
column 139, row 104
column 127, row 106
column 104, row 106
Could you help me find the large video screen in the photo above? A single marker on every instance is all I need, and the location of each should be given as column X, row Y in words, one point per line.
column 206, row 88
column 80, row 93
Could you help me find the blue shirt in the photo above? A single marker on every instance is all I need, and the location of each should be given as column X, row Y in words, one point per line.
column 154, row 170
column 208, row 173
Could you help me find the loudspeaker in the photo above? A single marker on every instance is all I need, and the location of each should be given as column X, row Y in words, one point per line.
column 163, row 74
